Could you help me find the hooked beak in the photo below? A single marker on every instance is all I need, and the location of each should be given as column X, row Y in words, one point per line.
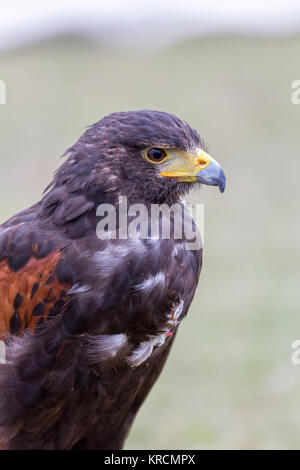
column 193, row 166
column 212, row 174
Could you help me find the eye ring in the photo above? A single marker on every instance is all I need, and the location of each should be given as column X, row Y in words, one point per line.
column 156, row 155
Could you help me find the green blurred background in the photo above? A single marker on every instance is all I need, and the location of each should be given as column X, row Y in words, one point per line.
column 229, row 382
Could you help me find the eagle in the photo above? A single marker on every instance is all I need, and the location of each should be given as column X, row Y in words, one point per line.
column 88, row 319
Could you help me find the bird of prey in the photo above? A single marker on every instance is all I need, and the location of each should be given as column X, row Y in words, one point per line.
column 88, row 320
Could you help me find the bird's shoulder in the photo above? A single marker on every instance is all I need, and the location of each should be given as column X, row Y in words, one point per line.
column 32, row 286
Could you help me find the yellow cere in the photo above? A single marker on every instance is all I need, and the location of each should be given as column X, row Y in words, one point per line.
column 184, row 165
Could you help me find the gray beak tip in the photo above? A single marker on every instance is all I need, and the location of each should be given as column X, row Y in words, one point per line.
column 213, row 175
column 222, row 182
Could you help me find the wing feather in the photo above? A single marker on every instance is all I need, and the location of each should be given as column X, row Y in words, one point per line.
column 30, row 288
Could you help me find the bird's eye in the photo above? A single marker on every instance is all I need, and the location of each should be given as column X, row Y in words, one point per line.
column 155, row 155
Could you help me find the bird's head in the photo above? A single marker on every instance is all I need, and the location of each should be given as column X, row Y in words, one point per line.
column 149, row 154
